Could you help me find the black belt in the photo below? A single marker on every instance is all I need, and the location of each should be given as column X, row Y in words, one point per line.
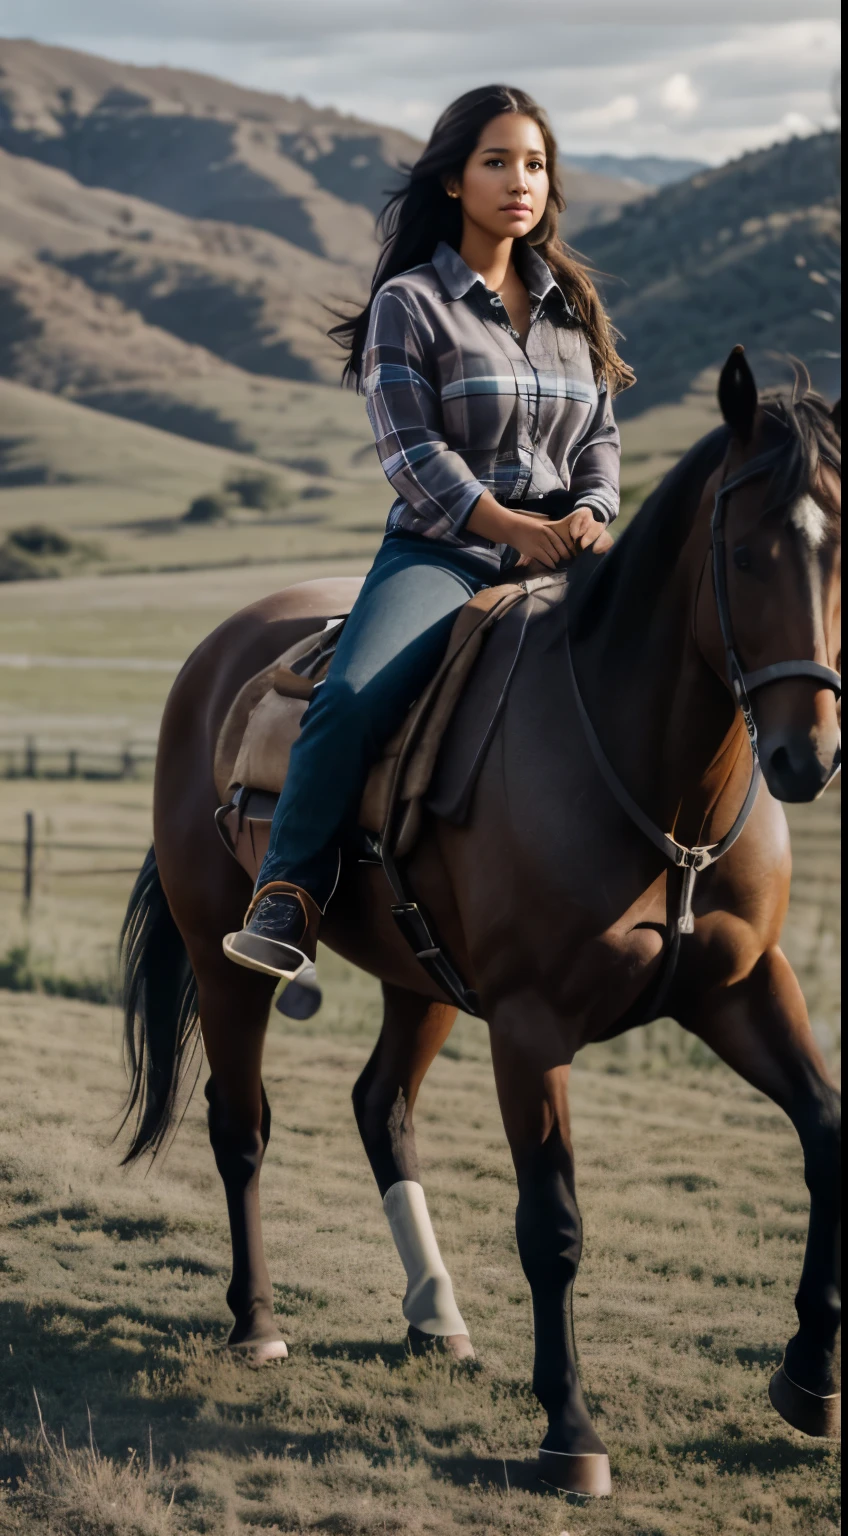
column 553, row 504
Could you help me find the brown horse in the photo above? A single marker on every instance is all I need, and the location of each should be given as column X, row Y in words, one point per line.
column 554, row 904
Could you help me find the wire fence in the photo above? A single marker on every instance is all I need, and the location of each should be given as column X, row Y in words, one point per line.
column 31, row 848
column 32, row 757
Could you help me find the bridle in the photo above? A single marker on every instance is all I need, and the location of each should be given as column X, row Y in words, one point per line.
column 742, row 683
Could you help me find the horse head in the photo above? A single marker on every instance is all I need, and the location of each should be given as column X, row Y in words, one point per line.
column 776, row 567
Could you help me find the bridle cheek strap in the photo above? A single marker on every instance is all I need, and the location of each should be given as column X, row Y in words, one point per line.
column 744, row 683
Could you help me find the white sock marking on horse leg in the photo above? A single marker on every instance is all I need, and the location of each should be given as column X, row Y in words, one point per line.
column 429, row 1301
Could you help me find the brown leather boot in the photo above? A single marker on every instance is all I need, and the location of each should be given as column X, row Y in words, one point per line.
column 280, row 934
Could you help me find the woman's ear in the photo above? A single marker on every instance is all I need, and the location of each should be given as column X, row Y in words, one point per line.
column 737, row 395
column 451, row 186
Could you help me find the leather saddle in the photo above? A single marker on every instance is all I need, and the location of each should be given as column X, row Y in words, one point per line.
column 252, row 752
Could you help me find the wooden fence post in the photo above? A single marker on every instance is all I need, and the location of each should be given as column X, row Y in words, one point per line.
column 29, row 859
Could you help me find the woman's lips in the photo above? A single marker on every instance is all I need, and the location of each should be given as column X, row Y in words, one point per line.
column 517, row 208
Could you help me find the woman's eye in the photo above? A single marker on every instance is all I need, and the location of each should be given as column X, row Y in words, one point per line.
column 742, row 558
column 535, row 165
column 494, row 162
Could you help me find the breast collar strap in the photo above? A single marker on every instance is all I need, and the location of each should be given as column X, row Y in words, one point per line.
column 693, row 860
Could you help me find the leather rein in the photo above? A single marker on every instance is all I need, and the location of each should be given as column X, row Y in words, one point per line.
column 742, row 684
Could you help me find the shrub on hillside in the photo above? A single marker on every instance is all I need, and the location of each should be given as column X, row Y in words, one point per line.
column 40, row 540
column 258, row 489
column 26, row 554
column 211, row 507
column 311, row 464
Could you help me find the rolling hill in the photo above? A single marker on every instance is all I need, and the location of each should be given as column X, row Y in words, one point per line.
column 741, row 253
column 648, row 170
column 160, row 227
column 171, row 246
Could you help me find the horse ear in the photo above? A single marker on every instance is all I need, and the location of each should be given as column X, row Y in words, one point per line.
column 737, row 395
column 836, row 415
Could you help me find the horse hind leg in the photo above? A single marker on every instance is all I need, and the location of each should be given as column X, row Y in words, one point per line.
column 414, row 1030
column 234, row 1008
column 760, row 1027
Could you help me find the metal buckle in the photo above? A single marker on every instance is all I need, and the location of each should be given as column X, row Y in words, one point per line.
column 691, row 858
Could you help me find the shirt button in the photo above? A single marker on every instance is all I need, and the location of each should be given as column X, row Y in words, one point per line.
column 496, row 303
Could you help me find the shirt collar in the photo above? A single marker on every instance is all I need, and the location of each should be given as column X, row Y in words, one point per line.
column 456, row 275
column 458, row 278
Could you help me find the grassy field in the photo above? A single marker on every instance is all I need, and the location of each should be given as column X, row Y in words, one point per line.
column 113, row 1283
column 113, row 1303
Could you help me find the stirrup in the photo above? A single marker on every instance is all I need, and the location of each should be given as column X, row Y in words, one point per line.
column 281, row 958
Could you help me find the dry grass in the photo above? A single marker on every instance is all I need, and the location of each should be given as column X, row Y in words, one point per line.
column 113, row 1302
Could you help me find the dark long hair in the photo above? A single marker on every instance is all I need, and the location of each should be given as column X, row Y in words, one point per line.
column 420, row 214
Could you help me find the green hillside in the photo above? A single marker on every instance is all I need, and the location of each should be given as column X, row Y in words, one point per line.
column 736, row 254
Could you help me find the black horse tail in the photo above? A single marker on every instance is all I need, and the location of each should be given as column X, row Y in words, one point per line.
column 159, row 995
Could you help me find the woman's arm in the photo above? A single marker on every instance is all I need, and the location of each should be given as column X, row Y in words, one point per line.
column 404, row 409
column 596, row 463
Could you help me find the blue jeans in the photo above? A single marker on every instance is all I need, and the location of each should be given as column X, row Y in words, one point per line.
column 390, row 648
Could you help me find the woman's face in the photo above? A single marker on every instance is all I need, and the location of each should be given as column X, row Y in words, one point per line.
column 504, row 187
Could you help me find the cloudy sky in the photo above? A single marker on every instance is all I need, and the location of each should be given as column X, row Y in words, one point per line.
column 674, row 77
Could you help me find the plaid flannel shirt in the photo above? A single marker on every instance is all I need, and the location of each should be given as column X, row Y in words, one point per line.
column 459, row 406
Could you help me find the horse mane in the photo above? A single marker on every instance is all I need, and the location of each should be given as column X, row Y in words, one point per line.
column 646, row 553
column 802, row 426
column 644, row 556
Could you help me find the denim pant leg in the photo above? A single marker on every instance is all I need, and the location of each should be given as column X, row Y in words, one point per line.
column 389, row 649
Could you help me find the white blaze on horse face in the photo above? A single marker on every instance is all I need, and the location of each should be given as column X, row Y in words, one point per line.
column 429, row 1303
column 810, row 520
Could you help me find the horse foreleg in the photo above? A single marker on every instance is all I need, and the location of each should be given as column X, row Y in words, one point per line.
column 760, row 1027
column 414, row 1030
column 233, row 1009
column 532, row 1084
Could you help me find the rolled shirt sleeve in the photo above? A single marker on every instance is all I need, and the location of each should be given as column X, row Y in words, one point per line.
column 405, row 413
column 596, row 465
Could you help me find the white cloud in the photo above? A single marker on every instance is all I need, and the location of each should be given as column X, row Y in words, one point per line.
column 622, row 109
column 625, row 76
column 679, row 95
column 798, row 123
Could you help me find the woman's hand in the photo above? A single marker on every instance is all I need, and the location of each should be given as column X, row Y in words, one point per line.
column 538, row 540
column 571, row 534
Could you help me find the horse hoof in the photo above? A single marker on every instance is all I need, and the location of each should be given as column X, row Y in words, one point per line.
column 457, row 1346
column 302, row 998
column 588, row 1474
column 813, row 1415
column 261, row 1352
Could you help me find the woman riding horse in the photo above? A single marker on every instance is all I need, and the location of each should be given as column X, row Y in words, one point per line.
column 619, row 770
column 488, row 367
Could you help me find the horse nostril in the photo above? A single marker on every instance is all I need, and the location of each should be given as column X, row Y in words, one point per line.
column 801, row 778
column 780, row 763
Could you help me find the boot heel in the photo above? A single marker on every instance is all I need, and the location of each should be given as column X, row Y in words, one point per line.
column 302, row 997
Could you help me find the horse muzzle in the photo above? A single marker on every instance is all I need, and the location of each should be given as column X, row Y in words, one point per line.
column 797, row 765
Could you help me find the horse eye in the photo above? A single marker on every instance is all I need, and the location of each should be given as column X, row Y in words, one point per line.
column 742, row 558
